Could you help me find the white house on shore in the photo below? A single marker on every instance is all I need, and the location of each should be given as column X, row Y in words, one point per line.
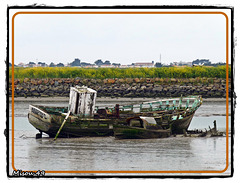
column 144, row 64
column 21, row 65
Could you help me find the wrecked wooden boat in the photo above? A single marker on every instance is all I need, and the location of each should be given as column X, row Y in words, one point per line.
column 141, row 128
column 79, row 123
column 82, row 118
column 176, row 113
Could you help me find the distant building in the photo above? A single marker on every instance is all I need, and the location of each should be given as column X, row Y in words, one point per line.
column 41, row 64
column 21, row 65
column 107, row 66
column 174, row 64
column 158, row 64
column 144, row 64
column 201, row 62
column 123, row 66
column 31, row 64
column 116, row 64
column 188, row 63
column 85, row 64
column 181, row 63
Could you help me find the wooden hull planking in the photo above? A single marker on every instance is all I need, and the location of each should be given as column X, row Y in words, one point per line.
column 139, row 133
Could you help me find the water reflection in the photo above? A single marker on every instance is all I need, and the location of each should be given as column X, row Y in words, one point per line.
column 110, row 154
column 106, row 153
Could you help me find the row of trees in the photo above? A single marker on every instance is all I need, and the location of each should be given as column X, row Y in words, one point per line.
column 99, row 62
column 77, row 62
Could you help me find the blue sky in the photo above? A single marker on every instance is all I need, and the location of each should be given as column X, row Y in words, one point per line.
column 119, row 38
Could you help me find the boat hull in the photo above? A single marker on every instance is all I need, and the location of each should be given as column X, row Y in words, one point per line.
column 174, row 116
column 40, row 124
column 178, row 126
column 68, row 130
column 50, row 123
column 139, row 133
column 77, row 132
column 74, row 130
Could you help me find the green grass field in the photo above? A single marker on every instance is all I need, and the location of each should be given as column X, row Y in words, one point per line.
column 103, row 73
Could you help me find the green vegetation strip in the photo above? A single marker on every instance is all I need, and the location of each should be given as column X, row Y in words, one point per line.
column 104, row 73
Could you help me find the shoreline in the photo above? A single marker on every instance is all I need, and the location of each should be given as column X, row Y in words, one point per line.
column 100, row 99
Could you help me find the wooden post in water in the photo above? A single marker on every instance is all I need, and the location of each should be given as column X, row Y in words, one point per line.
column 64, row 121
column 215, row 126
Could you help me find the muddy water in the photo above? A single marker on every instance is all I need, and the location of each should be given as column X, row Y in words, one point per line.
column 108, row 154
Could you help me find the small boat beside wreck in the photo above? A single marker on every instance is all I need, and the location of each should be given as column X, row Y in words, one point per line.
column 141, row 128
column 154, row 119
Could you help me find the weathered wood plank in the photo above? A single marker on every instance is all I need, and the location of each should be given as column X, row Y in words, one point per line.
column 82, row 101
